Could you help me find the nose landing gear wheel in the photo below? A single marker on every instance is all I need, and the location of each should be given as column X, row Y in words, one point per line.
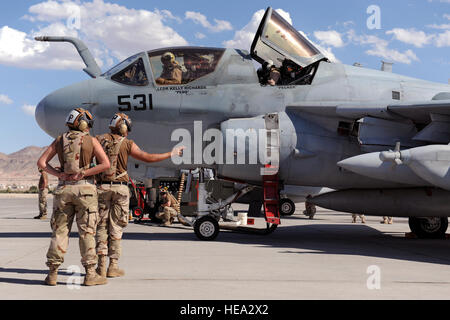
column 287, row 207
column 429, row 228
column 206, row 228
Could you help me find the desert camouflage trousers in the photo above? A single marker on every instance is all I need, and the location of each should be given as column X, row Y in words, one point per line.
column 43, row 202
column 113, row 203
column 167, row 214
column 79, row 202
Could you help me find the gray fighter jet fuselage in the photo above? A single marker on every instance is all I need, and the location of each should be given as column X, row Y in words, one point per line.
column 323, row 112
column 228, row 96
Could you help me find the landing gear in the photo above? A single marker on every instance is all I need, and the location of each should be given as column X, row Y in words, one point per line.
column 287, row 207
column 429, row 228
column 211, row 211
column 206, row 228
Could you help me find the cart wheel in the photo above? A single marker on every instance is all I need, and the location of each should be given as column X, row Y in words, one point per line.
column 138, row 213
column 206, row 228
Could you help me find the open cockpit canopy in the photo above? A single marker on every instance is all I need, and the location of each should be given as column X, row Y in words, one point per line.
column 276, row 40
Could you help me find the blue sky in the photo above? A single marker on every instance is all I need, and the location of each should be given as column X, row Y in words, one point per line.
column 415, row 35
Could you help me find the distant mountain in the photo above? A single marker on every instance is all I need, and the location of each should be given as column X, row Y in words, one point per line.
column 31, row 152
column 21, row 167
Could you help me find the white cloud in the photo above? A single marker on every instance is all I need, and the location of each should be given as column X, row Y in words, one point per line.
column 439, row 26
column 29, row 109
column 198, row 18
column 109, row 30
column 200, row 35
column 243, row 38
column 443, row 39
column 411, row 36
column 380, row 48
column 330, row 37
column 4, row 99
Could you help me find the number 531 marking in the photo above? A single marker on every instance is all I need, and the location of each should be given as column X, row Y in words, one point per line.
column 139, row 99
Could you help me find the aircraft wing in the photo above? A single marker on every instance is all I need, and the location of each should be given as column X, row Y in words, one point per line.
column 381, row 123
column 421, row 111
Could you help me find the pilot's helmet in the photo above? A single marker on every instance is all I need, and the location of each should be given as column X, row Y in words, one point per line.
column 80, row 119
column 120, row 123
column 167, row 58
column 269, row 64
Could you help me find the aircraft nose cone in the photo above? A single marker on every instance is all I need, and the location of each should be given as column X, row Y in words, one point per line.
column 39, row 115
column 52, row 111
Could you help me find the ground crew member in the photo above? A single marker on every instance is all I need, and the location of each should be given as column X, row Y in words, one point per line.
column 43, row 193
column 310, row 209
column 172, row 72
column 361, row 216
column 387, row 220
column 113, row 192
column 168, row 209
column 76, row 194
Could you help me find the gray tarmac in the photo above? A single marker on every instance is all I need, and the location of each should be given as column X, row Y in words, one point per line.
column 325, row 258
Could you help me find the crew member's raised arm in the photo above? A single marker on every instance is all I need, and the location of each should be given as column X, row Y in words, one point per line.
column 138, row 154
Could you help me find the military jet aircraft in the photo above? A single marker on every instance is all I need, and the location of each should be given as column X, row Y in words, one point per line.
column 379, row 139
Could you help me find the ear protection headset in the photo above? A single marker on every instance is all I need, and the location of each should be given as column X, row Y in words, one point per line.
column 80, row 119
column 121, row 122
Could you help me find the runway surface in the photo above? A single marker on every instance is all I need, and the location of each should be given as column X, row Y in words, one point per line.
column 325, row 258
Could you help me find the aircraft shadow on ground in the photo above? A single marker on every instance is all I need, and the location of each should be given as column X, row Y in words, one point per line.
column 356, row 240
column 341, row 239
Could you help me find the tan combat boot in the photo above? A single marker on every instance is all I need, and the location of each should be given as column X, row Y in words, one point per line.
column 391, row 220
column 363, row 219
column 92, row 278
column 101, row 267
column 52, row 278
column 113, row 269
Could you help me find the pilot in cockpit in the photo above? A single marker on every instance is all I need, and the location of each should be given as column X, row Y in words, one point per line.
column 171, row 73
column 269, row 74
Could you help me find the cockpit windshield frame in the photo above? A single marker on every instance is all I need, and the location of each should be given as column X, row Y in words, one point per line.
column 122, row 65
column 131, row 72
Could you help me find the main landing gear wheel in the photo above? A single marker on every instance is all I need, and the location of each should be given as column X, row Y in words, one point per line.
column 287, row 207
column 206, row 228
column 429, row 228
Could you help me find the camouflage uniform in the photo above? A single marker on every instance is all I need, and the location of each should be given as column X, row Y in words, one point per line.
column 43, row 202
column 43, row 193
column 168, row 214
column 113, row 201
column 361, row 216
column 74, row 200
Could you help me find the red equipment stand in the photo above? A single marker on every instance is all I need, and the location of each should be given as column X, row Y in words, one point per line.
column 271, row 197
